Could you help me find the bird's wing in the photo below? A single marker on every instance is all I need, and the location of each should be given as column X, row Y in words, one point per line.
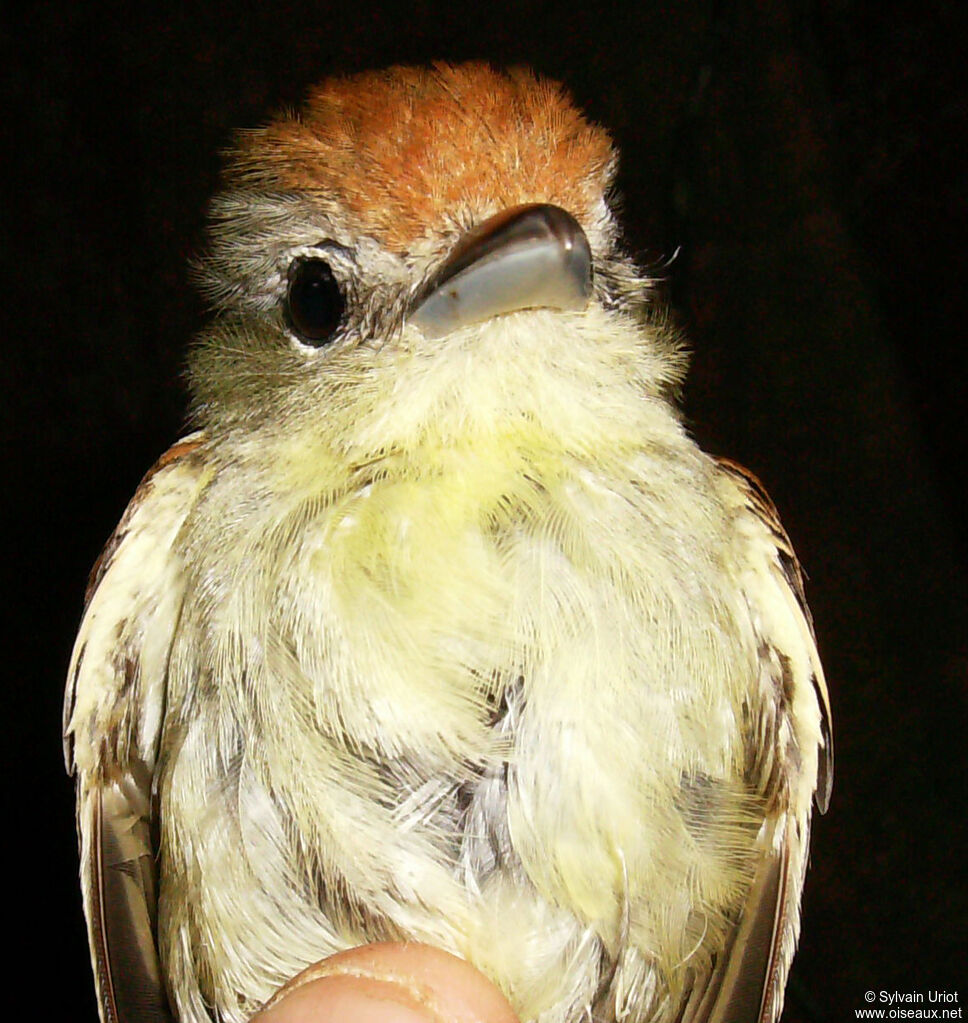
column 113, row 714
column 794, row 763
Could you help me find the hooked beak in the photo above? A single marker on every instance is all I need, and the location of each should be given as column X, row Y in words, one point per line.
column 526, row 257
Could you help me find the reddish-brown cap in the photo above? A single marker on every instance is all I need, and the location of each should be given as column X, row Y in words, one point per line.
column 407, row 151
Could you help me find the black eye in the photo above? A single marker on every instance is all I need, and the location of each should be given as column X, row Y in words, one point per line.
column 314, row 303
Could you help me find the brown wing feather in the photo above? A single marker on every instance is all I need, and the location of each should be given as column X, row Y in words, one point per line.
column 744, row 987
column 123, row 903
column 786, row 927
column 747, row 981
column 112, row 716
column 745, row 984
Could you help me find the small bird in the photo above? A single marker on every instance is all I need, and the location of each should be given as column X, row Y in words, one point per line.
column 440, row 627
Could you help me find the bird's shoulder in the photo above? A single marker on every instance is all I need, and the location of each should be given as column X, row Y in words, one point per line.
column 772, row 582
column 130, row 606
column 791, row 759
column 113, row 711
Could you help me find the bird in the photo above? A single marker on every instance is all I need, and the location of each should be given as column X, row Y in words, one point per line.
column 439, row 626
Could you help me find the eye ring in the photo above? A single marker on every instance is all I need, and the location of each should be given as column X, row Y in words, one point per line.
column 314, row 304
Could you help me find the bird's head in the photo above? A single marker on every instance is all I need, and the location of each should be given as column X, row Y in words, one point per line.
column 421, row 252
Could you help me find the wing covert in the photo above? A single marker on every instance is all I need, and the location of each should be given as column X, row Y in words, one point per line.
column 793, row 763
column 113, row 713
column 774, row 589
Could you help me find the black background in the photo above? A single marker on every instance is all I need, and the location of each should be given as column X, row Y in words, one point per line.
column 804, row 161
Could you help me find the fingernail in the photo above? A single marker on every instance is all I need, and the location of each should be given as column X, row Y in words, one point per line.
column 343, row 997
column 391, row 982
